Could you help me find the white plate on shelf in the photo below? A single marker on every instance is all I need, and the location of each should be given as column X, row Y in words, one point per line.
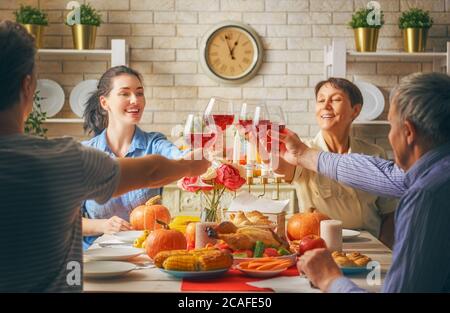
column 128, row 236
column 112, row 254
column 373, row 101
column 52, row 96
column 350, row 233
column 80, row 95
column 104, row 269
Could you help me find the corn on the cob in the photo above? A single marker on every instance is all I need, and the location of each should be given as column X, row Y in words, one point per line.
column 214, row 260
column 181, row 263
column 206, row 259
column 163, row 255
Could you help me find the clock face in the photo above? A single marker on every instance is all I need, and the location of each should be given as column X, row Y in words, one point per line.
column 231, row 52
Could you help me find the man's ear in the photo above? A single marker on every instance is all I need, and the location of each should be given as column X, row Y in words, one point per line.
column 356, row 110
column 410, row 132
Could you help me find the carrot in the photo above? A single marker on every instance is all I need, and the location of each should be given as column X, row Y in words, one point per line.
column 270, row 265
column 280, row 266
column 254, row 265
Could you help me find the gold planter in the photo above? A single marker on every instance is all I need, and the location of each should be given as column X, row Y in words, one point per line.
column 37, row 31
column 415, row 39
column 84, row 36
column 366, row 39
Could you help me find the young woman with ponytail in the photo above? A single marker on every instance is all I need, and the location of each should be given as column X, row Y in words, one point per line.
column 112, row 114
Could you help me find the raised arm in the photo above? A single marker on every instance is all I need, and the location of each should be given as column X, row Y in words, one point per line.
column 154, row 171
column 371, row 174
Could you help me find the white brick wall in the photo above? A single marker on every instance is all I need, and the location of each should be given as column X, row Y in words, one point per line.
column 164, row 36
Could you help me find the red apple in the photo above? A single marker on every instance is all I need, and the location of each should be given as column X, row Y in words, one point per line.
column 190, row 235
column 311, row 242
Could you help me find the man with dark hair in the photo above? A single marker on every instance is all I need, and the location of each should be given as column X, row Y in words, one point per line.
column 420, row 137
column 43, row 182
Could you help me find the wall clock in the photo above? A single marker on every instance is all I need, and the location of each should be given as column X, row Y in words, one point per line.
column 231, row 52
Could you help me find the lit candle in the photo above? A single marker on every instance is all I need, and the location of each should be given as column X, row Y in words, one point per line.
column 331, row 233
column 236, row 148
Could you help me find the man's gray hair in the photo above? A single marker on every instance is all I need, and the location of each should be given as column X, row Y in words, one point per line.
column 424, row 100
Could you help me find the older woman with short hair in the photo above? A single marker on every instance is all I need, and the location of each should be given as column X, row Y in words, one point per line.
column 338, row 104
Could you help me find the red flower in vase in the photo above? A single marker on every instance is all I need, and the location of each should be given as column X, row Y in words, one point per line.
column 229, row 176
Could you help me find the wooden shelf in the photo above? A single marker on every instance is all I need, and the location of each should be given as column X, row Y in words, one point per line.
column 75, row 52
column 118, row 52
column 381, row 55
column 336, row 55
column 64, row 120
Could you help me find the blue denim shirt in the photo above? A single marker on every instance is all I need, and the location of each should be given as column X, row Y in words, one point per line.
column 143, row 143
column 421, row 254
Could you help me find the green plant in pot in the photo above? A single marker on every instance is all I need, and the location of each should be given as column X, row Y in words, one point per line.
column 366, row 26
column 415, row 24
column 33, row 124
column 34, row 20
column 84, row 21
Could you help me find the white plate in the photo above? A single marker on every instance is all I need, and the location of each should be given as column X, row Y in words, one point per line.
column 112, row 254
column 128, row 236
column 107, row 268
column 52, row 96
column 80, row 95
column 349, row 233
column 373, row 101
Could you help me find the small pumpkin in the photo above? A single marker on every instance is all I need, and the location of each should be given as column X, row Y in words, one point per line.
column 304, row 224
column 145, row 216
column 164, row 239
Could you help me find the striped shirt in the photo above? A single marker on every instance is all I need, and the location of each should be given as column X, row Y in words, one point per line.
column 42, row 184
column 421, row 255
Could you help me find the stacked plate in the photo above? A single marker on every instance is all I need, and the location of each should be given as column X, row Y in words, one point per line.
column 373, row 101
column 51, row 96
column 80, row 95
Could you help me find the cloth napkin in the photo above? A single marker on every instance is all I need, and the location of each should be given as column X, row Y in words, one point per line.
column 247, row 202
column 295, row 284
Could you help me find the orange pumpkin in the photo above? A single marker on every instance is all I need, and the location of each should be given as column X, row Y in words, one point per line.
column 163, row 240
column 145, row 216
column 304, row 224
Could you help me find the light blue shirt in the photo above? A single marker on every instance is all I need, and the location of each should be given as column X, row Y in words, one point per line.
column 143, row 143
column 421, row 254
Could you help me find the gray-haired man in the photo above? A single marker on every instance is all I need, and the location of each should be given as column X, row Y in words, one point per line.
column 419, row 116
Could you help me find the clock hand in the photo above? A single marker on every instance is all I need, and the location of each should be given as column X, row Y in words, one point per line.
column 228, row 45
column 235, row 45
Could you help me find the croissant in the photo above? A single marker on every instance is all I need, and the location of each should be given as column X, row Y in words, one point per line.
column 358, row 258
column 240, row 219
column 350, row 259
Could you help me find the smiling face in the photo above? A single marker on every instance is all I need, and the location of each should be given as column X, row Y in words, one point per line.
column 126, row 101
column 334, row 112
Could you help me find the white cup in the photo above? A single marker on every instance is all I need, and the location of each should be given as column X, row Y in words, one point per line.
column 331, row 233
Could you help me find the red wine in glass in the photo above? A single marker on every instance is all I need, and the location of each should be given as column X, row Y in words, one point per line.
column 266, row 125
column 204, row 138
column 223, row 120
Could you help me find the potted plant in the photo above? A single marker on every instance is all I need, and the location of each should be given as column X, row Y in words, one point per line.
column 34, row 20
column 84, row 30
column 415, row 24
column 366, row 27
column 33, row 125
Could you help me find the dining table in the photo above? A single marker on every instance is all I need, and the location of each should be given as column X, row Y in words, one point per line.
column 147, row 278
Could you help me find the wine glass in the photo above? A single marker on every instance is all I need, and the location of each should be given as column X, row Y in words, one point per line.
column 199, row 136
column 273, row 144
column 220, row 112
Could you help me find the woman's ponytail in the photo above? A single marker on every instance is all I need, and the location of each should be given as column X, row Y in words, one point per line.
column 95, row 117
